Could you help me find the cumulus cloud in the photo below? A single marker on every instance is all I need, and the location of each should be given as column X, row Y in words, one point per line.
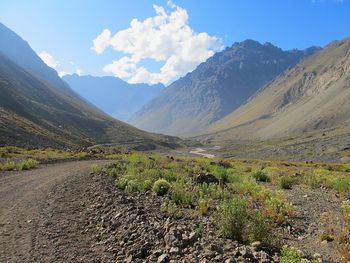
column 165, row 37
column 48, row 59
column 79, row 72
column 62, row 73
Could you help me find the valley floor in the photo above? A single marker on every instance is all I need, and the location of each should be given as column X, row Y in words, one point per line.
column 62, row 213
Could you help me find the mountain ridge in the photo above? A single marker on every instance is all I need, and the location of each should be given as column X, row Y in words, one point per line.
column 216, row 87
column 309, row 97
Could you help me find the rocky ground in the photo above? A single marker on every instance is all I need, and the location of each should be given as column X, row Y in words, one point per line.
column 85, row 218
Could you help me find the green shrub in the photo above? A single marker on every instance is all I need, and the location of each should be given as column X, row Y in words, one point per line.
column 27, row 164
column 232, row 217
column 171, row 210
column 132, row 186
column 342, row 185
column 287, row 182
column 259, row 228
column 95, row 169
column 290, row 255
column 261, row 176
column 121, row 183
column 161, row 187
column 203, row 206
column 147, row 185
column 277, row 207
column 8, row 166
column 180, row 195
column 346, row 212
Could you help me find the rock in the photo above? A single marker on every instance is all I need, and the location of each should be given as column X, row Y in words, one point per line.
column 230, row 260
column 174, row 250
column 163, row 258
column 206, row 178
column 216, row 248
column 316, row 256
column 129, row 259
column 256, row 245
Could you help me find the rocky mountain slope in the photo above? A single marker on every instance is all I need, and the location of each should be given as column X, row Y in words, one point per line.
column 216, row 87
column 311, row 97
column 113, row 95
column 38, row 109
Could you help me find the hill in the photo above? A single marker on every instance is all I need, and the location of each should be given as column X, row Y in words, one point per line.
column 113, row 95
column 216, row 87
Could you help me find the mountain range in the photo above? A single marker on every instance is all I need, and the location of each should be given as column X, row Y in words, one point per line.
column 311, row 97
column 39, row 109
column 216, row 87
column 114, row 96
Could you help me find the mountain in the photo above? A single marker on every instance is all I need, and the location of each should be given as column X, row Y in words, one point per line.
column 216, row 87
column 312, row 97
column 19, row 51
column 113, row 95
column 37, row 108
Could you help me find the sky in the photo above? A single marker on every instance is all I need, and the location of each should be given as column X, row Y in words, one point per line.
column 160, row 41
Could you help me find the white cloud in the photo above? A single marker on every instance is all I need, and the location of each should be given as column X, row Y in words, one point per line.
column 165, row 37
column 79, row 72
column 72, row 62
column 48, row 59
column 62, row 73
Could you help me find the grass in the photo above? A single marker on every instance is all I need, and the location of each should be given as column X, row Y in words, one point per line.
column 26, row 164
column 261, row 176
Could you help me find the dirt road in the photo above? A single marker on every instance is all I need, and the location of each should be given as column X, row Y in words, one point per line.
column 28, row 202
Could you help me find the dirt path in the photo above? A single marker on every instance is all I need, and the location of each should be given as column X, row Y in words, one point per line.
column 23, row 208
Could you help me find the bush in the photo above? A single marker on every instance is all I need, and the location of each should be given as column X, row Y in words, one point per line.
column 132, row 186
column 95, row 169
column 261, row 176
column 8, row 166
column 342, row 185
column 203, row 206
column 121, row 183
column 290, row 255
column 287, row 182
column 161, row 187
column 147, row 185
column 259, row 228
column 180, row 195
column 277, row 207
column 232, row 217
column 27, row 164
column 171, row 210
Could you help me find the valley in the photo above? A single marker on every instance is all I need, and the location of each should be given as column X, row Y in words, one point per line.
column 132, row 138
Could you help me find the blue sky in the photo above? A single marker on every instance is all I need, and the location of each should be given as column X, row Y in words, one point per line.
column 66, row 31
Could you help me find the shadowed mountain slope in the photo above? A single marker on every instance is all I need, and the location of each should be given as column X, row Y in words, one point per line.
column 37, row 108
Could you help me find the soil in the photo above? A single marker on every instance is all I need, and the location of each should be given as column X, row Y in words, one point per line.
column 24, row 196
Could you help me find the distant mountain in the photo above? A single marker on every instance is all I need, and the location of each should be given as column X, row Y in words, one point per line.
column 216, row 87
column 37, row 108
column 311, row 97
column 113, row 95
